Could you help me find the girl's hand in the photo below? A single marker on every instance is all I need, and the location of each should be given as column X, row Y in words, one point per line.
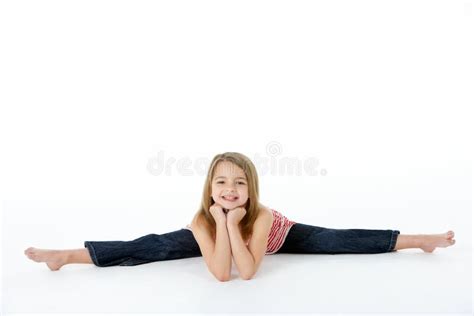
column 217, row 212
column 235, row 215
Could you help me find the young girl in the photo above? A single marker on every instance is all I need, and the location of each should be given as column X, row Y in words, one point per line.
column 232, row 224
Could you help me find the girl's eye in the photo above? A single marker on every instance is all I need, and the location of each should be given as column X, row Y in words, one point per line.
column 240, row 182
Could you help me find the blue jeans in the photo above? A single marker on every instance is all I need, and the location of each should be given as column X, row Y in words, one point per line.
column 310, row 239
column 181, row 244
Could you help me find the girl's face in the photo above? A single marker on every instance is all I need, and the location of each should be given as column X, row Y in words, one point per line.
column 229, row 185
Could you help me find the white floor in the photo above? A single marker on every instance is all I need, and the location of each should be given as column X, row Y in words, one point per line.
column 407, row 281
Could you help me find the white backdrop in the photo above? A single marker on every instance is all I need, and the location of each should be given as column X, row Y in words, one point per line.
column 97, row 96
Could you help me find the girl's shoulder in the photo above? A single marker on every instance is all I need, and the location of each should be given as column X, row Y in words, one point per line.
column 265, row 210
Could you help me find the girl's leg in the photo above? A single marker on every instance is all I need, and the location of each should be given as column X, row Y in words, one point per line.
column 313, row 239
column 178, row 244
column 304, row 238
column 174, row 245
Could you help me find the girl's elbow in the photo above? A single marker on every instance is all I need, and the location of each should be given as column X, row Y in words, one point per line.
column 223, row 278
column 246, row 277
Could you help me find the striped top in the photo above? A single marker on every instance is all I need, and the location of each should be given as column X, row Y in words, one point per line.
column 280, row 229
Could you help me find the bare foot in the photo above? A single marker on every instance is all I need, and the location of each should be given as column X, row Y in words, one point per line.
column 54, row 259
column 430, row 242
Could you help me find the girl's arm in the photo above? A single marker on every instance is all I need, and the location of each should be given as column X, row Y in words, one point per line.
column 242, row 256
column 222, row 257
column 249, row 259
column 216, row 253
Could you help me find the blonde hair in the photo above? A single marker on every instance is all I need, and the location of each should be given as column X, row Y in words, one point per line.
column 252, row 204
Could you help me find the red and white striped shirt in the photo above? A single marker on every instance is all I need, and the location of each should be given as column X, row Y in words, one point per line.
column 280, row 228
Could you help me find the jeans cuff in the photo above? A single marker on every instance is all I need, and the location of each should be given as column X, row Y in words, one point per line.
column 393, row 240
column 91, row 249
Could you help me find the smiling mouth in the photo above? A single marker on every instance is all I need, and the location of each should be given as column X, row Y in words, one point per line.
column 230, row 198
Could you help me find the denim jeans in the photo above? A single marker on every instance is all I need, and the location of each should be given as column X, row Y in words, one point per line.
column 181, row 244
column 178, row 244
column 310, row 239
